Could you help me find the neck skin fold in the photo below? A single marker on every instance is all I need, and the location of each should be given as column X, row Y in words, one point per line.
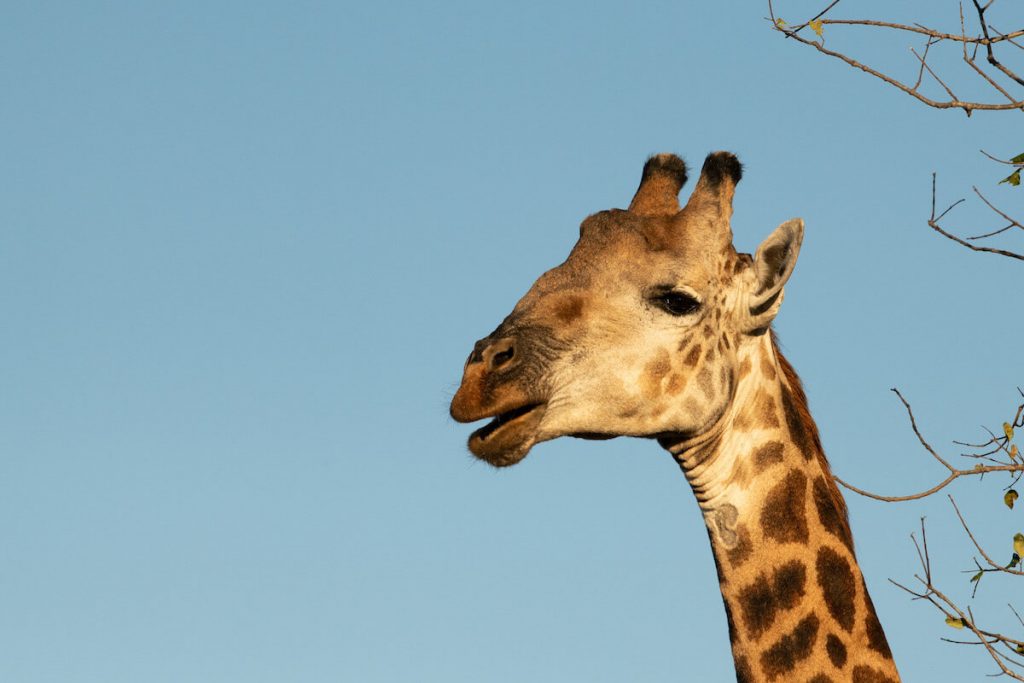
column 795, row 598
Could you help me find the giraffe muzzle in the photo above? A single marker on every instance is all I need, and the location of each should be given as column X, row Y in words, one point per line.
column 489, row 389
column 507, row 438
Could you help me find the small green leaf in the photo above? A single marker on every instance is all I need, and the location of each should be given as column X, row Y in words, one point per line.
column 977, row 577
column 1007, row 427
column 1019, row 649
column 1012, row 179
column 1019, row 159
column 816, row 26
column 955, row 622
column 1009, row 497
column 780, row 23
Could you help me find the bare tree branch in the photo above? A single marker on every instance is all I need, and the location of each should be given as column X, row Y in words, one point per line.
column 988, row 43
column 994, row 643
column 938, row 35
column 989, row 38
column 1009, row 464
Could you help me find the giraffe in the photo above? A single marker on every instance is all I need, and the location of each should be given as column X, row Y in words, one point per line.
column 655, row 326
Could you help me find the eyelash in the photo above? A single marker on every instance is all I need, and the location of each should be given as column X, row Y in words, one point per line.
column 676, row 303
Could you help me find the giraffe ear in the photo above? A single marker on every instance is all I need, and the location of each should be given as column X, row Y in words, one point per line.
column 773, row 264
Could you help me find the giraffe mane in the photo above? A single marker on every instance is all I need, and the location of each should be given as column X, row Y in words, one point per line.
column 803, row 413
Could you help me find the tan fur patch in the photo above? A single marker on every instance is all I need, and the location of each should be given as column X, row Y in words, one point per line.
column 739, row 474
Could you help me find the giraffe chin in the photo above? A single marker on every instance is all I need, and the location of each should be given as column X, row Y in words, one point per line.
column 509, row 436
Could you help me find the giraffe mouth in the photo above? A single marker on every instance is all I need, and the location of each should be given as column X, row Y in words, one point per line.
column 507, row 438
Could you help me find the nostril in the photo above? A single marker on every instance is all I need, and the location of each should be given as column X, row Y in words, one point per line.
column 502, row 357
column 500, row 354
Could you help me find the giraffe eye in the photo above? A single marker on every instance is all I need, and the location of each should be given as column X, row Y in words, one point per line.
column 676, row 303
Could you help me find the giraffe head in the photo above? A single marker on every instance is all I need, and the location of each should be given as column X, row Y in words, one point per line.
column 637, row 333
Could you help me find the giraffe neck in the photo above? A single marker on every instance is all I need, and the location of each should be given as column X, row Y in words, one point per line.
column 795, row 599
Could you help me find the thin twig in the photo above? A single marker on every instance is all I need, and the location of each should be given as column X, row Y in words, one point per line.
column 933, row 223
column 992, row 563
column 1002, row 161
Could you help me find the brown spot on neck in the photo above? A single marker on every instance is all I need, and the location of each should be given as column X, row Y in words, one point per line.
column 829, row 515
column 838, row 586
column 768, row 454
column 765, row 409
column 743, row 672
column 791, row 649
column 799, row 429
column 743, row 549
column 765, row 597
column 783, row 516
column 867, row 674
column 876, row 636
column 836, row 650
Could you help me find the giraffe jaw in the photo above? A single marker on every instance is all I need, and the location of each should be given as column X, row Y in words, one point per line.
column 507, row 438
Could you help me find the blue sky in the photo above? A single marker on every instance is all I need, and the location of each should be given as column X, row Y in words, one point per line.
column 247, row 247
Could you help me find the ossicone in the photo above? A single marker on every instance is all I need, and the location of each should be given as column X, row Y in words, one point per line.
column 658, row 194
column 720, row 166
column 711, row 199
